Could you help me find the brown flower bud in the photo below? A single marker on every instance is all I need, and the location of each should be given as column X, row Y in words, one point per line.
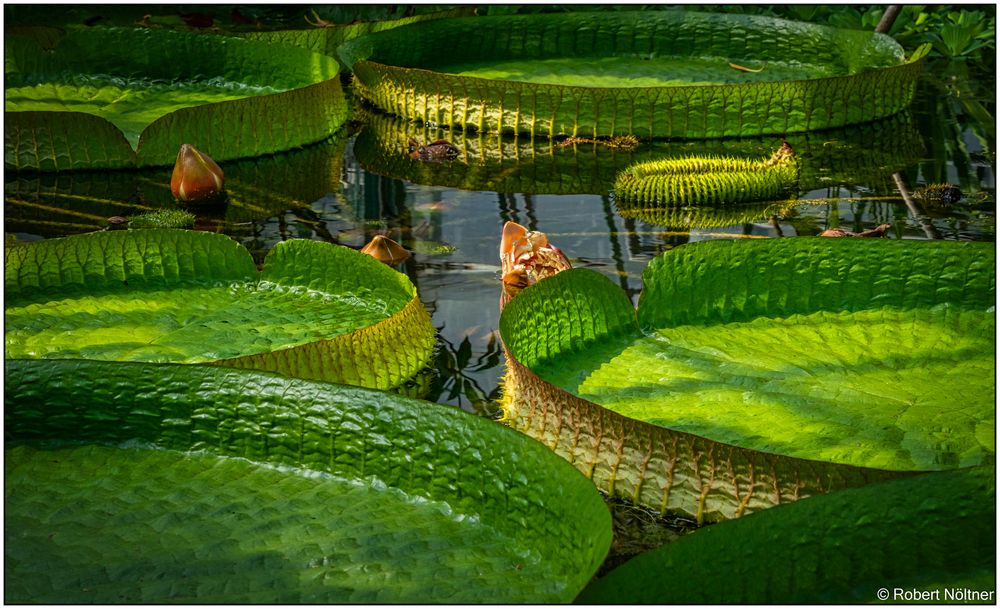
column 385, row 250
column 196, row 176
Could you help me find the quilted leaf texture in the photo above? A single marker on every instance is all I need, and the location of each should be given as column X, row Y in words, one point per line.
column 511, row 74
column 50, row 141
column 840, row 354
column 182, row 296
column 157, row 483
column 75, row 100
column 930, row 532
column 250, row 126
column 326, row 39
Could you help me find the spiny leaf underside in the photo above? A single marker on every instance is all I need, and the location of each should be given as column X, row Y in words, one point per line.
column 711, row 180
column 665, row 470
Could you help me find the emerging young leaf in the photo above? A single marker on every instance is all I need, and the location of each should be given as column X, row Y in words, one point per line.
column 709, row 180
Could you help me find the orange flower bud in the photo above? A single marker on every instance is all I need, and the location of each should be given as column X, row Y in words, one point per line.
column 196, row 176
column 385, row 250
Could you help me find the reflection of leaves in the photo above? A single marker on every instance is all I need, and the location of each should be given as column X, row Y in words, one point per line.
column 955, row 103
column 61, row 203
column 464, row 353
column 453, row 383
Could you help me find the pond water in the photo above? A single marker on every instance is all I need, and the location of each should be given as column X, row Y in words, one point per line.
column 450, row 214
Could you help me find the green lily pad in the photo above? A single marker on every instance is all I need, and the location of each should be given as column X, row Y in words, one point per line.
column 77, row 100
column 934, row 532
column 649, row 74
column 873, row 354
column 165, row 483
column 64, row 203
column 326, row 40
column 319, row 28
column 317, row 310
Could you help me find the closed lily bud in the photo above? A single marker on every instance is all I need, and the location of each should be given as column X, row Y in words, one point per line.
column 196, row 176
column 385, row 250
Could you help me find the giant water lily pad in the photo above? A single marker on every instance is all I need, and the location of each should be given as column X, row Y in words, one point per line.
column 316, row 311
column 325, row 38
column 155, row 483
column 873, row 354
column 319, row 28
column 934, row 532
column 87, row 98
column 575, row 74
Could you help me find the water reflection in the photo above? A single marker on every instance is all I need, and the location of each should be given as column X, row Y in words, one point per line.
column 450, row 214
column 64, row 203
